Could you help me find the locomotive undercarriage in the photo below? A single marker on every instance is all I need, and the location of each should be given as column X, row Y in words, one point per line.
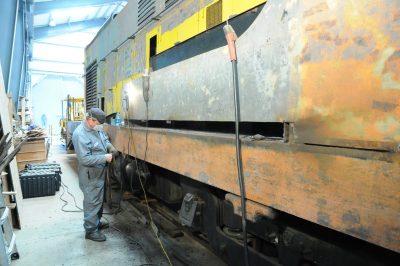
column 206, row 212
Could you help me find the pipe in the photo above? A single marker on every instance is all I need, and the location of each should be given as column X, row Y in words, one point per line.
column 12, row 47
column 22, row 78
column 27, row 48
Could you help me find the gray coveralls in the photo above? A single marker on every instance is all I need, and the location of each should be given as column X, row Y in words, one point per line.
column 90, row 147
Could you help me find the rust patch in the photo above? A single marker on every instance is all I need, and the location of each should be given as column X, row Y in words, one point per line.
column 384, row 106
column 339, row 41
column 203, row 177
column 324, row 36
column 361, row 47
column 396, row 16
column 253, row 209
column 321, row 202
column 316, row 9
column 329, row 109
column 323, row 219
column 392, row 66
column 349, row 70
column 392, row 235
column 305, row 54
column 361, row 232
column 360, row 41
column 325, row 178
column 324, row 24
column 328, row 23
column 351, row 217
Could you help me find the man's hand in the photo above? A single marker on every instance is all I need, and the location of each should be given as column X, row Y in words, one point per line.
column 108, row 157
column 111, row 149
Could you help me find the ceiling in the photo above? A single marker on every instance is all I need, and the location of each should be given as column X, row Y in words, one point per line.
column 62, row 28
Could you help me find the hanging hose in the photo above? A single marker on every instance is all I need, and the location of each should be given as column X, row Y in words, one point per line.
column 231, row 38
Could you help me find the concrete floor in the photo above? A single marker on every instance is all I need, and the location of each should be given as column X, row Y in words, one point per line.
column 50, row 236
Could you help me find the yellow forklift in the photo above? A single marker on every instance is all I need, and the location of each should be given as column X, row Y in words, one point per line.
column 74, row 110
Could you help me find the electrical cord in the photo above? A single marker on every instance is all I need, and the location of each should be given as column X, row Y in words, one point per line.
column 136, row 243
column 129, row 145
column 117, row 229
column 141, row 183
column 151, row 217
column 66, row 188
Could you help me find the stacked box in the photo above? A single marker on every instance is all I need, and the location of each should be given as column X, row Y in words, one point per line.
column 38, row 183
column 50, row 167
column 41, row 165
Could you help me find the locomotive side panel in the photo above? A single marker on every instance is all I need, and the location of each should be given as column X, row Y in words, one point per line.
column 327, row 71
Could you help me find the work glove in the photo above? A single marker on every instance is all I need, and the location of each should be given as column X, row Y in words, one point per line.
column 111, row 149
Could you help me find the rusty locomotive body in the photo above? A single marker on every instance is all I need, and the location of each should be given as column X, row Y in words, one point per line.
column 319, row 86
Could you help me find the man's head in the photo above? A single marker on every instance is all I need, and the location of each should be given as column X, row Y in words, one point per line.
column 95, row 117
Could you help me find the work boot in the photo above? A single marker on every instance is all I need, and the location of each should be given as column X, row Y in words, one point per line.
column 96, row 236
column 103, row 225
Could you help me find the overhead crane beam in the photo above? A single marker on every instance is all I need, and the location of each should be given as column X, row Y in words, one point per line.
column 47, row 7
column 45, row 32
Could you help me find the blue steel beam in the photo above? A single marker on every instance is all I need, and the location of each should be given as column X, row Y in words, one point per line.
column 60, row 45
column 55, row 61
column 45, row 32
column 17, row 72
column 47, row 7
column 7, row 20
column 13, row 46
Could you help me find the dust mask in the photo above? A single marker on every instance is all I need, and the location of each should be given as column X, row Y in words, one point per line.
column 98, row 127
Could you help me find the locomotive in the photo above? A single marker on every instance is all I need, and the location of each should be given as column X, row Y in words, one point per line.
column 319, row 93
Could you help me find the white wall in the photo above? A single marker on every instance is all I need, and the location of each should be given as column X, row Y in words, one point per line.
column 47, row 96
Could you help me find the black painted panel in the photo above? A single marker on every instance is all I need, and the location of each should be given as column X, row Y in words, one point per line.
column 207, row 41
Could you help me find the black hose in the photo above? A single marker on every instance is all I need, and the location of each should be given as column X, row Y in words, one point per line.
column 231, row 39
column 239, row 158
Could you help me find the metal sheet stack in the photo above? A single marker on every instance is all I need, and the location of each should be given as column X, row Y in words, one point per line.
column 41, row 179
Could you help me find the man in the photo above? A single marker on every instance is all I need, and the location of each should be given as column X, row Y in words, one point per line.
column 92, row 149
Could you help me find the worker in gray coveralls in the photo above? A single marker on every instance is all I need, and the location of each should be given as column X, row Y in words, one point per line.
column 94, row 151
